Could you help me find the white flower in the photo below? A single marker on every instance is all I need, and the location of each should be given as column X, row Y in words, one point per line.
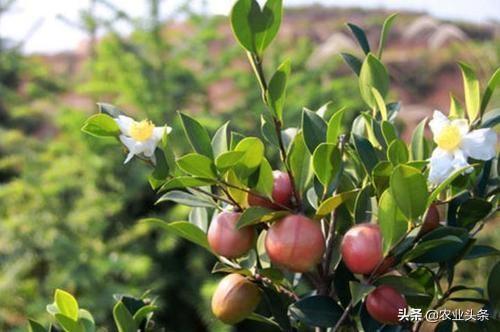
column 140, row 138
column 455, row 143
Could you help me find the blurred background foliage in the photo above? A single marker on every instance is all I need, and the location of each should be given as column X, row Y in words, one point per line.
column 69, row 209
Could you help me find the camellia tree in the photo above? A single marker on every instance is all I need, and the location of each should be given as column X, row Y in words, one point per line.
column 353, row 230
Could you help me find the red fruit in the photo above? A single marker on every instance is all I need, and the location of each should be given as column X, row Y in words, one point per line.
column 362, row 248
column 282, row 192
column 431, row 220
column 235, row 299
column 295, row 242
column 227, row 240
column 383, row 304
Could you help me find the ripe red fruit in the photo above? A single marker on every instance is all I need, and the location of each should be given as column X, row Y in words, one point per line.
column 234, row 299
column 362, row 248
column 295, row 242
column 282, row 192
column 226, row 239
column 383, row 304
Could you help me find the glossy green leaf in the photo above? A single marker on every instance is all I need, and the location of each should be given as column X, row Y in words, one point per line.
column 490, row 88
column 110, row 110
column 404, row 285
column 144, row 312
column 386, row 27
column 373, row 75
column 161, row 171
column 197, row 135
column 268, row 129
column 379, row 101
column 389, row 132
column 299, row 161
column 363, row 206
column 491, row 118
column 359, row 291
column 353, row 62
column 360, row 37
column 318, row 310
column 419, row 149
column 334, row 128
column 86, row 320
column 101, row 125
column 255, row 27
column 276, row 92
column 256, row 214
column 181, row 182
column 183, row 229
column 220, row 142
column 391, row 220
column 472, row 211
column 397, row 153
column 68, row 324
column 327, row 161
column 381, row 175
column 67, row 304
column 471, row 91
column 436, row 247
column 123, row 318
column 34, row 326
column 253, row 149
column 409, row 189
column 443, row 185
column 265, row 180
column 197, row 165
column 330, row 204
column 479, row 251
column 228, row 159
column 184, row 198
column 456, row 110
column 314, row 129
column 366, row 152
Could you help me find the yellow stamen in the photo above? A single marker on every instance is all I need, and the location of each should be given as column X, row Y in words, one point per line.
column 141, row 131
column 449, row 138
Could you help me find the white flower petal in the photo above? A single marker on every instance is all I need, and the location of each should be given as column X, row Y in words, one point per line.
column 440, row 166
column 149, row 148
column 480, row 144
column 129, row 143
column 158, row 133
column 439, row 120
column 460, row 160
column 130, row 155
column 124, row 122
column 462, row 125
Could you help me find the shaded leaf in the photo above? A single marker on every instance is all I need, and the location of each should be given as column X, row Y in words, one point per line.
column 197, row 135
column 276, row 92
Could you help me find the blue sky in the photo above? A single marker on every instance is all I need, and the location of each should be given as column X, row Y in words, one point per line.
column 52, row 35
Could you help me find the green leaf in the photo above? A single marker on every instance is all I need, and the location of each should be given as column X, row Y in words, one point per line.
column 381, row 175
column 330, row 204
column 197, row 165
column 67, row 304
column 397, row 153
column 276, row 92
column 144, row 312
column 256, row 215
column 256, row 27
column 299, row 161
column 479, row 251
column 86, row 320
column 385, row 31
column 373, row 75
column 265, row 181
column 379, row 101
column 161, row 171
column 219, row 141
column 183, row 229
column 419, row 149
column 268, row 129
column 263, row 319
column 363, row 206
column 443, row 185
column 228, row 159
column 334, row 129
column 360, row 37
column 456, row 110
column 405, row 285
column 110, row 110
column 471, row 91
column 389, row 132
column 68, row 324
column 409, row 189
column 490, row 88
column 34, row 326
column 491, row 118
column 494, row 287
column 253, row 149
column 391, row 220
column 123, row 319
column 432, row 247
column 313, row 128
column 472, row 211
column 366, row 153
column 327, row 161
column 181, row 182
column 318, row 310
column 197, row 136
column 353, row 62
column 359, row 291
column 101, row 125
column 184, row 198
